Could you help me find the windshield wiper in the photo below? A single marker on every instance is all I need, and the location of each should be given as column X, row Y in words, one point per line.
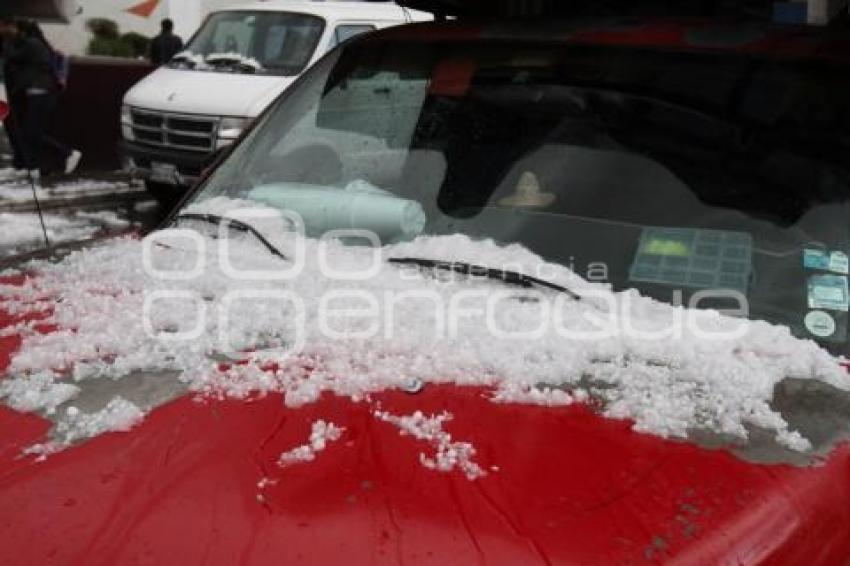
column 234, row 66
column 184, row 59
column 510, row 277
column 236, row 225
column 506, row 276
column 235, row 63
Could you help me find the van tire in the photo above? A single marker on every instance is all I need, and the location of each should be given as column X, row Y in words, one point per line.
column 166, row 195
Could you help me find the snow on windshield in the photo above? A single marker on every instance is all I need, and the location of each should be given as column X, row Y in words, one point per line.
column 339, row 318
column 213, row 60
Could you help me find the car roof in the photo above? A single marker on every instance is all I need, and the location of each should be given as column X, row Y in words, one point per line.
column 334, row 9
column 676, row 34
column 542, row 9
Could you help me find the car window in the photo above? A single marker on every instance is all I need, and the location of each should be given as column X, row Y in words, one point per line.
column 680, row 173
column 275, row 37
column 276, row 42
column 344, row 32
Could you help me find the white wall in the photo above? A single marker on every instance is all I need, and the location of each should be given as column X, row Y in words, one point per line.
column 821, row 12
column 187, row 15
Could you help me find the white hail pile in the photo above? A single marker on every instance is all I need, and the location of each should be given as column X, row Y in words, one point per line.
column 667, row 386
column 321, row 434
column 21, row 230
column 15, row 189
column 448, row 455
column 118, row 415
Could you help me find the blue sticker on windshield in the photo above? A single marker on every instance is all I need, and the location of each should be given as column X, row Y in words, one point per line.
column 815, row 259
column 822, row 260
column 828, row 292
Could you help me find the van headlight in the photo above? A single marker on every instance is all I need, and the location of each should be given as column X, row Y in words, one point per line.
column 231, row 128
column 126, row 123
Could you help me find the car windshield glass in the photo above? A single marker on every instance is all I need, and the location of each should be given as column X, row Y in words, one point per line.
column 279, row 43
column 671, row 173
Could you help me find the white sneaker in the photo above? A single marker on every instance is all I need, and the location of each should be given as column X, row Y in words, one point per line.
column 72, row 162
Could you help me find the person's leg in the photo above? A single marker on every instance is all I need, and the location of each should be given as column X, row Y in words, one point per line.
column 48, row 141
column 33, row 129
column 55, row 146
column 69, row 157
column 39, row 111
column 10, row 126
column 14, row 126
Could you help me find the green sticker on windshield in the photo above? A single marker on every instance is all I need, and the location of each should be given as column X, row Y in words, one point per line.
column 661, row 246
column 688, row 257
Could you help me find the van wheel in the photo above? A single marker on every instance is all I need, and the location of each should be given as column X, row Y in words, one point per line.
column 166, row 195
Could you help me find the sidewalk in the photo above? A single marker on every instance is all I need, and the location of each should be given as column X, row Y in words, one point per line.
column 105, row 188
column 76, row 208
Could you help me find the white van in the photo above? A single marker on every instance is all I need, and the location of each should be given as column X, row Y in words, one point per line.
column 238, row 62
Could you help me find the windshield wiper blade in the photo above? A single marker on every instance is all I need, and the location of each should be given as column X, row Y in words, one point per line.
column 510, row 277
column 184, row 59
column 236, row 67
column 236, row 225
column 234, row 62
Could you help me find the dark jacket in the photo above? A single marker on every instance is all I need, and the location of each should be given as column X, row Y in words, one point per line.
column 164, row 47
column 27, row 66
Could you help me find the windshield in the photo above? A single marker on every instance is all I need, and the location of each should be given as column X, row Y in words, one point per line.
column 278, row 43
column 673, row 174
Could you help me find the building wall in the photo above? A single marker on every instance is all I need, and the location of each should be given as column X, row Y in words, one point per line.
column 43, row 10
column 88, row 115
column 140, row 16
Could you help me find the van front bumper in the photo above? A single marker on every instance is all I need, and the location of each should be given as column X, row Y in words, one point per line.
column 165, row 166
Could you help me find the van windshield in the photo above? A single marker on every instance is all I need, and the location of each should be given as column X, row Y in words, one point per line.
column 669, row 173
column 277, row 43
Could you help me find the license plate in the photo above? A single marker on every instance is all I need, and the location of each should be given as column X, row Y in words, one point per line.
column 163, row 173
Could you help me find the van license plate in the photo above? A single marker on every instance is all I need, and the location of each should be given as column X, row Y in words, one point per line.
column 163, row 173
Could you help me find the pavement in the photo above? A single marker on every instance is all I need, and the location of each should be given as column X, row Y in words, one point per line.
column 78, row 207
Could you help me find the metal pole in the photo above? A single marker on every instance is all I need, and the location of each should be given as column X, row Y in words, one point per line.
column 38, row 209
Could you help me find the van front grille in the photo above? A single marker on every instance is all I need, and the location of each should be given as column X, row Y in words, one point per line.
column 179, row 131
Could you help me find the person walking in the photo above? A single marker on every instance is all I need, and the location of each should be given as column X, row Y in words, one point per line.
column 35, row 91
column 165, row 45
column 15, row 101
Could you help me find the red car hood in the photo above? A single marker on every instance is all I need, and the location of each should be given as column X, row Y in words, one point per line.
column 200, row 481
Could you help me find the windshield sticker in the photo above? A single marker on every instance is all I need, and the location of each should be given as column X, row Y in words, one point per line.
column 815, row 259
column 828, row 292
column 659, row 246
column 821, row 260
column 839, row 263
column 701, row 259
column 820, row 324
